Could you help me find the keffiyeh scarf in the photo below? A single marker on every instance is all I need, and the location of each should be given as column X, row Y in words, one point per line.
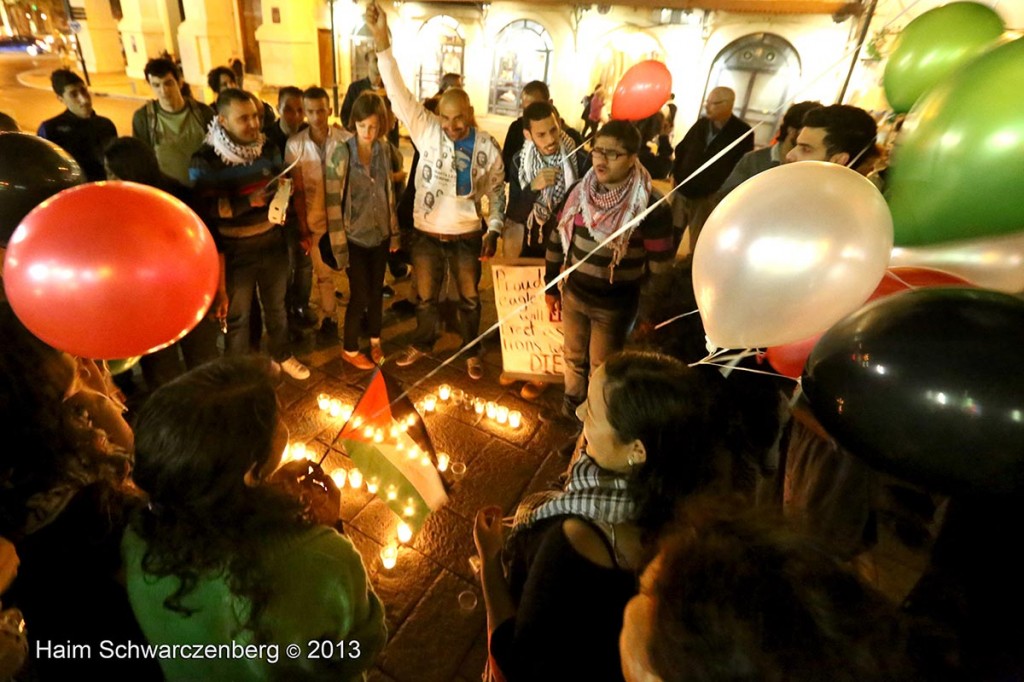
column 531, row 163
column 229, row 151
column 590, row 492
column 605, row 212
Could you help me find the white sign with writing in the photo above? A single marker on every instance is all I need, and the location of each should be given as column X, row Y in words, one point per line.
column 531, row 341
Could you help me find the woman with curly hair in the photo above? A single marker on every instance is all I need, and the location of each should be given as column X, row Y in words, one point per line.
column 655, row 431
column 219, row 556
column 64, row 494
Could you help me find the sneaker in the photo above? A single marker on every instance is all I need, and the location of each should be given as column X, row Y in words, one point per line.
column 295, row 369
column 302, row 318
column 388, row 291
column 409, row 356
column 475, row 368
column 357, row 360
column 376, row 354
column 506, row 380
column 532, row 390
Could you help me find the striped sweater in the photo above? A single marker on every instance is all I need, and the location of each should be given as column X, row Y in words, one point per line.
column 646, row 264
column 222, row 191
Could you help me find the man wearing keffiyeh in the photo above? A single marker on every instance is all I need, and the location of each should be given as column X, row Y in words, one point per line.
column 601, row 299
column 541, row 175
column 232, row 174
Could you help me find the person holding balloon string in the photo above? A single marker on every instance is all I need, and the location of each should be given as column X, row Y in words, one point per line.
column 233, row 173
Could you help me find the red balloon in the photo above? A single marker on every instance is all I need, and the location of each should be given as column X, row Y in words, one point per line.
column 789, row 359
column 643, row 91
column 111, row 270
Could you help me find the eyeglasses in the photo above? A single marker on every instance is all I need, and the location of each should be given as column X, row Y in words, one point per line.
column 715, row 103
column 608, row 154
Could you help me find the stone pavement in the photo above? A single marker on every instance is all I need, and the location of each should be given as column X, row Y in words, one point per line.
column 430, row 636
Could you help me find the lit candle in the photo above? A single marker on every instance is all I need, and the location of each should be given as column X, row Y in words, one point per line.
column 404, row 532
column 411, row 420
column 501, row 415
column 430, row 402
column 442, row 461
column 444, row 392
column 378, row 436
column 339, row 476
column 515, row 419
column 491, row 408
column 298, row 451
column 392, row 493
column 458, row 395
column 478, row 405
column 323, row 401
column 399, row 445
column 389, row 556
column 346, row 413
column 425, row 460
column 393, row 432
column 410, row 507
column 372, row 485
column 368, row 432
column 355, row 478
column 414, row 452
column 334, row 407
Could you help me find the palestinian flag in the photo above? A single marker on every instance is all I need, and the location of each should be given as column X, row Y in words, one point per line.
column 388, row 441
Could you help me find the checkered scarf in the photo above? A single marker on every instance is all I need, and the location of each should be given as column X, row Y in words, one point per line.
column 531, row 163
column 604, row 213
column 591, row 492
column 229, row 151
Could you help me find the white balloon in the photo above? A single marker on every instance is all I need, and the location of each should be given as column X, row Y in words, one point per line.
column 991, row 263
column 789, row 253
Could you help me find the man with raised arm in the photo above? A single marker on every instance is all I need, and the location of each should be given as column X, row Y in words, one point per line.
column 459, row 166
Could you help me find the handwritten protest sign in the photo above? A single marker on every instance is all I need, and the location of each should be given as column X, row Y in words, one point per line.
column 531, row 342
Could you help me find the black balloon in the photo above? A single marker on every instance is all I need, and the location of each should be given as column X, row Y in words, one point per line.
column 31, row 170
column 928, row 385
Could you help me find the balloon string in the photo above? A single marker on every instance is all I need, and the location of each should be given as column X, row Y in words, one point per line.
column 744, row 369
column 629, row 225
column 902, row 281
column 673, row 319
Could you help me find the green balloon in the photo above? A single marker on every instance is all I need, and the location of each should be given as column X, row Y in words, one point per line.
column 933, row 46
column 958, row 167
column 123, row 365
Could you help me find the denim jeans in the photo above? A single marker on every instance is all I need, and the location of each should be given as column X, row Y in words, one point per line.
column 300, row 270
column 366, row 284
column 251, row 262
column 591, row 335
column 431, row 258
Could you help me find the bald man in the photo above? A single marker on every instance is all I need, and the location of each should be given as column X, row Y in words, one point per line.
column 713, row 132
column 459, row 166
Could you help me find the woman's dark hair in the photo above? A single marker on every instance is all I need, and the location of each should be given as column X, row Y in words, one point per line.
column 366, row 105
column 48, row 443
column 213, row 78
column 196, row 439
column 690, row 428
column 739, row 598
column 132, row 159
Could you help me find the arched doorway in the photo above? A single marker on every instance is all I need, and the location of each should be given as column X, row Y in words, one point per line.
column 441, row 52
column 623, row 48
column 522, row 54
column 763, row 69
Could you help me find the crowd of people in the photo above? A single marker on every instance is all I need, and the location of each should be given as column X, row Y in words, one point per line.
column 657, row 556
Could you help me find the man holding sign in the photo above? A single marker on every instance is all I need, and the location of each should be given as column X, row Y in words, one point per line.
column 459, row 166
column 600, row 300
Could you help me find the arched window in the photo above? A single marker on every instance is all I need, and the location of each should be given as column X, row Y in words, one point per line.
column 522, row 54
column 441, row 51
column 763, row 69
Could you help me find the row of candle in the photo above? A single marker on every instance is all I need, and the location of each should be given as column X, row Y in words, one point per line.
column 498, row 413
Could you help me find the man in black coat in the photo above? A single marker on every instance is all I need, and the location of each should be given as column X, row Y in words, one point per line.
column 694, row 201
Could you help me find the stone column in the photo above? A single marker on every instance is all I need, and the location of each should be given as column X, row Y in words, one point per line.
column 148, row 27
column 288, row 42
column 101, row 45
column 206, row 38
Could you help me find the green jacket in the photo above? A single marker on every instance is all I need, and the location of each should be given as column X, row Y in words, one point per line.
column 144, row 119
column 319, row 594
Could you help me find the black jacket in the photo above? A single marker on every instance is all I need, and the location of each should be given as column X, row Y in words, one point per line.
column 694, row 150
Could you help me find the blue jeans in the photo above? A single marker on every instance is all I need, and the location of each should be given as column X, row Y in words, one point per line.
column 251, row 262
column 365, row 271
column 591, row 335
column 300, row 270
column 431, row 258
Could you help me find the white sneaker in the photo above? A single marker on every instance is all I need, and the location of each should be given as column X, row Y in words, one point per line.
column 295, row 369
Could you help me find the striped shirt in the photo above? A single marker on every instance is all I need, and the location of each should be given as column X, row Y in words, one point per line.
column 647, row 260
